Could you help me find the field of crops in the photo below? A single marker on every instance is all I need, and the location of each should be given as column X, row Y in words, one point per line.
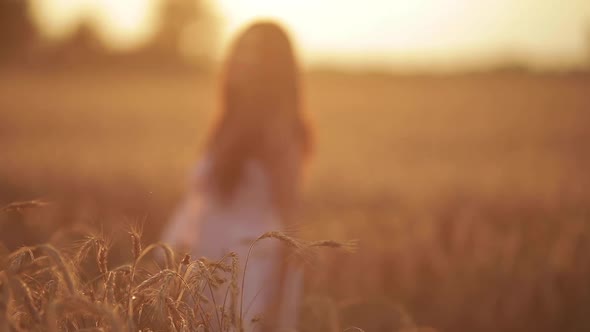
column 469, row 194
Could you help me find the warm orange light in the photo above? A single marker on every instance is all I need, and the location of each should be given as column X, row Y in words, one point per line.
column 410, row 34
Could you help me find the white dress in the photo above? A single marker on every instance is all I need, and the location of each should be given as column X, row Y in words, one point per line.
column 212, row 228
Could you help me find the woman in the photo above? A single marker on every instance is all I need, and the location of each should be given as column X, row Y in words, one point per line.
column 248, row 180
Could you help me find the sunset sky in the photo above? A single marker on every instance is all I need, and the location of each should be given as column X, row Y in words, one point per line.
column 376, row 33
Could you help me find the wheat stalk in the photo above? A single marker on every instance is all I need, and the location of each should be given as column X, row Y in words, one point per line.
column 24, row 205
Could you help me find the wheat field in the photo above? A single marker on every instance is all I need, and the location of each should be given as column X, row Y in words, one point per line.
column 468, row 195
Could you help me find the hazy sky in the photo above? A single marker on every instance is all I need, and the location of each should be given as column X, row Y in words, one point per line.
column 400, row 33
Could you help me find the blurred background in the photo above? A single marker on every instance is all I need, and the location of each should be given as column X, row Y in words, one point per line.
column 452, row 140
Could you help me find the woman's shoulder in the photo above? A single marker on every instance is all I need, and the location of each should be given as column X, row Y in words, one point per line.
column 251, row 197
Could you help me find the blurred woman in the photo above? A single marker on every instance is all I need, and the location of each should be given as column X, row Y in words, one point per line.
column 248, row 180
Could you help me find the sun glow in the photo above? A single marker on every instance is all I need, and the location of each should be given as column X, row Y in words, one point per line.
column 424, row 33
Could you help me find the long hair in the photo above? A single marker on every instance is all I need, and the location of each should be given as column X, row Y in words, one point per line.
column 261, row 116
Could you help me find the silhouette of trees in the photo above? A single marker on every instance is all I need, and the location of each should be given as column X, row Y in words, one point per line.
column 188, row 33
column 18, row 36
column 82, row 47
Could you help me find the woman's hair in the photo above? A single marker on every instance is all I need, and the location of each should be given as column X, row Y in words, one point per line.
column 261, row 114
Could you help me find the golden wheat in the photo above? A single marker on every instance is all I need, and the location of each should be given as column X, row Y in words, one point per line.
column 41, row 289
